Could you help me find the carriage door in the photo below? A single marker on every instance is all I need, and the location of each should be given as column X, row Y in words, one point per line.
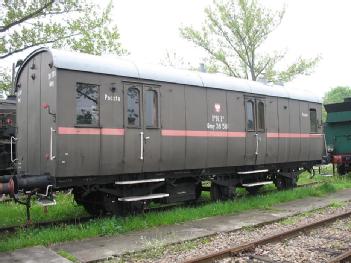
column 255, row 148
column 142, row 128
column 151, row 129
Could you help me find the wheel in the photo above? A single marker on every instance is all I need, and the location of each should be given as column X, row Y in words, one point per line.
column 198, row 191
column 124, row 209
column 92, row 202
column 283, row 183
column 254, row 189
column 221, row 192
column 279, row 183
column 341, row 169
column 93, row 209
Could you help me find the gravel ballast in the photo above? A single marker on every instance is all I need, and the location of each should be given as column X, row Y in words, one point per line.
column 317, row 246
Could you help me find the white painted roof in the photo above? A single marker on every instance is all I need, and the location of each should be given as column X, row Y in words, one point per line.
column 123, row 67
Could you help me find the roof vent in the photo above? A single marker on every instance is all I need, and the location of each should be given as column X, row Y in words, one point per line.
column 202, row 68
column 347, row 99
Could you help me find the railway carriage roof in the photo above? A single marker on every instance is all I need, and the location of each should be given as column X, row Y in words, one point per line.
column 123, row 67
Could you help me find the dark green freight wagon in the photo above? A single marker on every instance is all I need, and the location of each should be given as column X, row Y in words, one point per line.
column 338, row 134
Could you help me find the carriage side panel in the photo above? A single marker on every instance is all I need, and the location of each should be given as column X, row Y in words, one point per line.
column 317, row 146
column 305, row 129
column 272, row 128
column 47, row 117
column 196, row 119
column 217, row 127
column 111, row 123
column 78, row 144
column 172, row 121
column 236, row 124
column 295, row 131
column 34, row 111
column 284, row 128
column 22, row 121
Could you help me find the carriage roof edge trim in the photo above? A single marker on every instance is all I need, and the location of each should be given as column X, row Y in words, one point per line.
column 127, row 68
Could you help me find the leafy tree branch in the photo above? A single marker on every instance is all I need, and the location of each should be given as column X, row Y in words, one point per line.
column 233, row 34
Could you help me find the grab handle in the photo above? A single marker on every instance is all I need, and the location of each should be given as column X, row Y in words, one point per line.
column 256, row 152
column 13, row 139
column 52, row 130
column 141, row 145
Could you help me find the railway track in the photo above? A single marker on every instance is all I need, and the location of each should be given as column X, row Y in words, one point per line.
column 246, row 250
column 74, row 221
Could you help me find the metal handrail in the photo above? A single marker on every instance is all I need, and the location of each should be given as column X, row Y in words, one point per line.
column 11, row 144
column 141, row 145
column 52, row 157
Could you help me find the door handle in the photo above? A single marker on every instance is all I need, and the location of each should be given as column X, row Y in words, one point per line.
column 257, row 138
column 141, row 145
column 13, row 139
column 52, row 130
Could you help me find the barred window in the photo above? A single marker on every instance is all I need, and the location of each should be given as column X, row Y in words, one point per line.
column 133, row 110
column 313, row 121
column 250, row 119
column 260, row 115
column 87, row 104
column 151, row 105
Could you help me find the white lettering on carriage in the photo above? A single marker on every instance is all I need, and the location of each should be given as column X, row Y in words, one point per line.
column 112, row 98
column 19, row 93
column 217, row 123
column 52, row 75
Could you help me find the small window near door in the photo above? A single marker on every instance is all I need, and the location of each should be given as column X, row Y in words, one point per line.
column 313, row 121
column 87, row 104
column 260, row 116
column 250, row 119
column 151, row 109
column 133, row 110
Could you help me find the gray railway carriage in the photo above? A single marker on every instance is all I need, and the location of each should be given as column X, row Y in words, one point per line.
column 122, row 134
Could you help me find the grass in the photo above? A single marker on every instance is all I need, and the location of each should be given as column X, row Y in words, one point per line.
column 156, row 249
column 112, row 226
column 67, row 255
column 15, row 214
column 294, row 219
column 66, row 208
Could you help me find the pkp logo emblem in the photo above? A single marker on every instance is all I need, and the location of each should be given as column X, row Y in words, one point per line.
column 217, row 107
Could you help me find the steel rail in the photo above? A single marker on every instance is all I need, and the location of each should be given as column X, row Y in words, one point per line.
column 344, row 257
column 73, row 221
column 277, row 237
column 70, row 221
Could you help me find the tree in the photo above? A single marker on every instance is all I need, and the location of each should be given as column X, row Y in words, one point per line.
column 172, row 59
column 335, row 95
column 233, row 34
column 71, row 24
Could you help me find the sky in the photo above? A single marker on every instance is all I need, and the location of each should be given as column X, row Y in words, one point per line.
column 309, row 28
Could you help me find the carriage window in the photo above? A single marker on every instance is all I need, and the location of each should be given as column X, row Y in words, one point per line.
column 250, row 123
column 313, row 121
column 260, row 115
column 151, row 109
column 87, row 104
column 133, row 107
